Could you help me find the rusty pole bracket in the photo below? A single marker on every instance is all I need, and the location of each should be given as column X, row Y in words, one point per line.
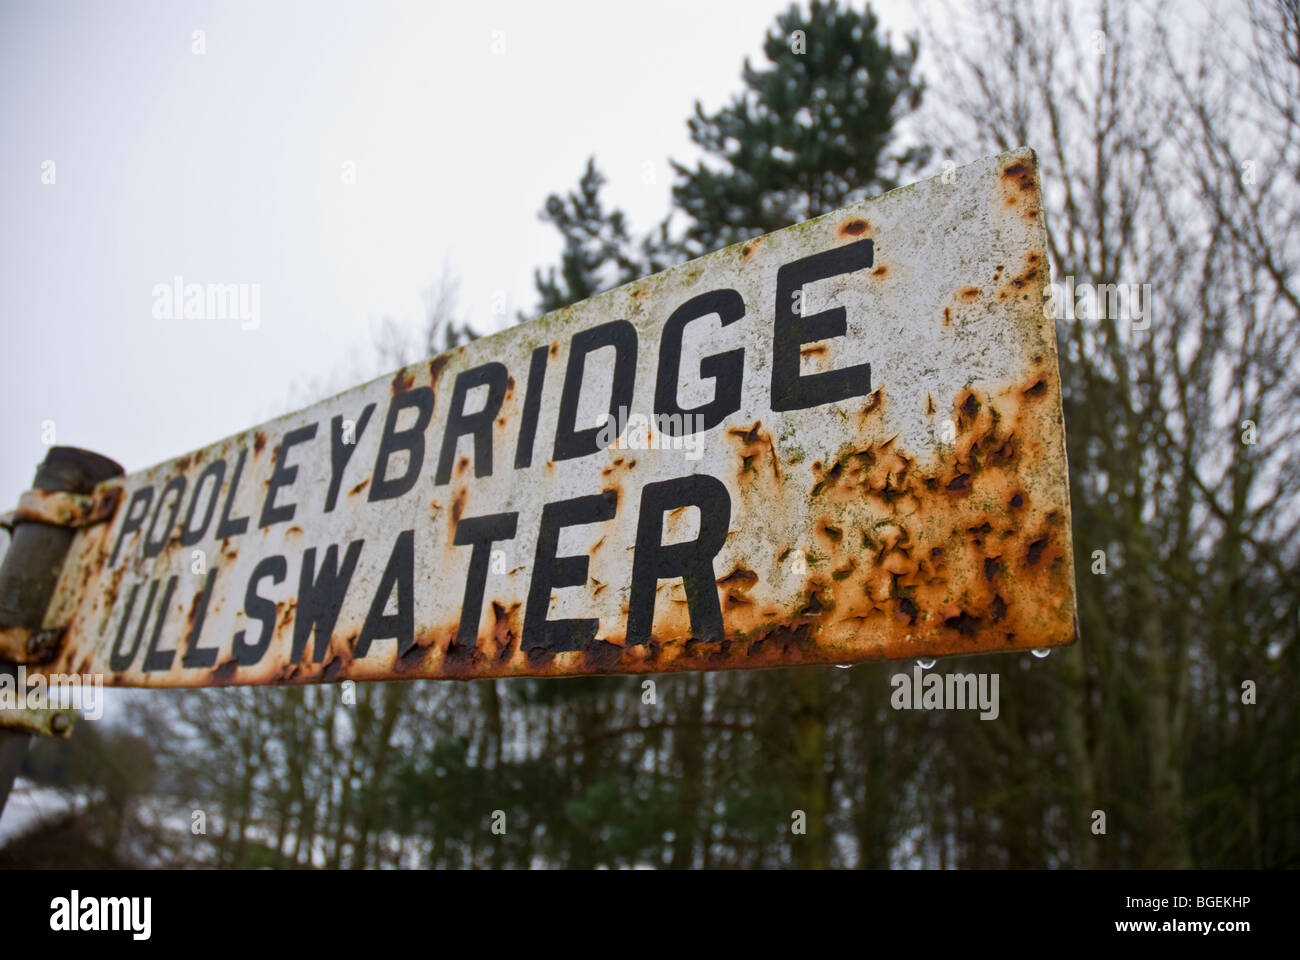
column 59, row 508
column 42, row 721
column 22, row 645
column 41, row 530
column 55, row 508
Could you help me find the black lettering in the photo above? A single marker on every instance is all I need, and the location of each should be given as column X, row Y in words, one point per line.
column 228, row 527
column 341, row 453
column 283, row 476
column 692, row 560
column 320, row 597
column 154, row 547
column 481, row 533
column 190, row 534
column 725, row 369
column 155, row 659
column 571, row 442
column 134, row 518
column 460, row 423
column 259, row 608
column 119, row 659
column 793, row 328
column 550, row 571
column 411, row 440
column 195, row 655
column 399, row 626
column 532, row 406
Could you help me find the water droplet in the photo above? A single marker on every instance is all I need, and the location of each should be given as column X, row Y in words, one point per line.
column 925, row 664
column 1041, row 652
column 844, row 666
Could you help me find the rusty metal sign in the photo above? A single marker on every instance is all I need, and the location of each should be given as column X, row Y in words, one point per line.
column 841, row 441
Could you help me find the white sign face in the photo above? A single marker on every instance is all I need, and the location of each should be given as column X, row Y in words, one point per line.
column 837, row 442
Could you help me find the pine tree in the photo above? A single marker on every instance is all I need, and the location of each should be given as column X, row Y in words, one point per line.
column 810, row 132
column 598, row 251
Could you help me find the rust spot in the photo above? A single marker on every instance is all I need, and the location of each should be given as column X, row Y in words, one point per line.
column 458, row 506
column 359, row 487
column 969, row 293
column 462, row 464
column 1017, row 501
column 436, row 366
column 410, row 657
column 1037, row 390
column 601, row 655
column 1018, row 284
column 752, row 443
column 1019, row 174
column 992, row 566
column 812, row 350
column 539, row 657
column 504, row 635
column 854, row 228
column 947, row 316
column 881, row 271
column 963, row 623
column 1035, row 552
column 259, row 442
column 402, row 382
column 998, row 608
column 225, row 672
column 814, row 606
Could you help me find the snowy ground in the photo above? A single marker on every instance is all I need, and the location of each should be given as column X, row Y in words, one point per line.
column 29, row 804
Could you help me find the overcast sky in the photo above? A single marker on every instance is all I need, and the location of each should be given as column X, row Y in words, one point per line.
column 228, row 166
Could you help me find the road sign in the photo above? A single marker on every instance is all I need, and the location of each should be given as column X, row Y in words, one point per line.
column 840, row 441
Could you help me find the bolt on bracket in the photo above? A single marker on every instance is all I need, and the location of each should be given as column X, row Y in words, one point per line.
column 22, row 645
column 44, row 722
column 61, row 509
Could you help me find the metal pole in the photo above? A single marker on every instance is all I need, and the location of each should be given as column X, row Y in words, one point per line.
column 31, row 570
